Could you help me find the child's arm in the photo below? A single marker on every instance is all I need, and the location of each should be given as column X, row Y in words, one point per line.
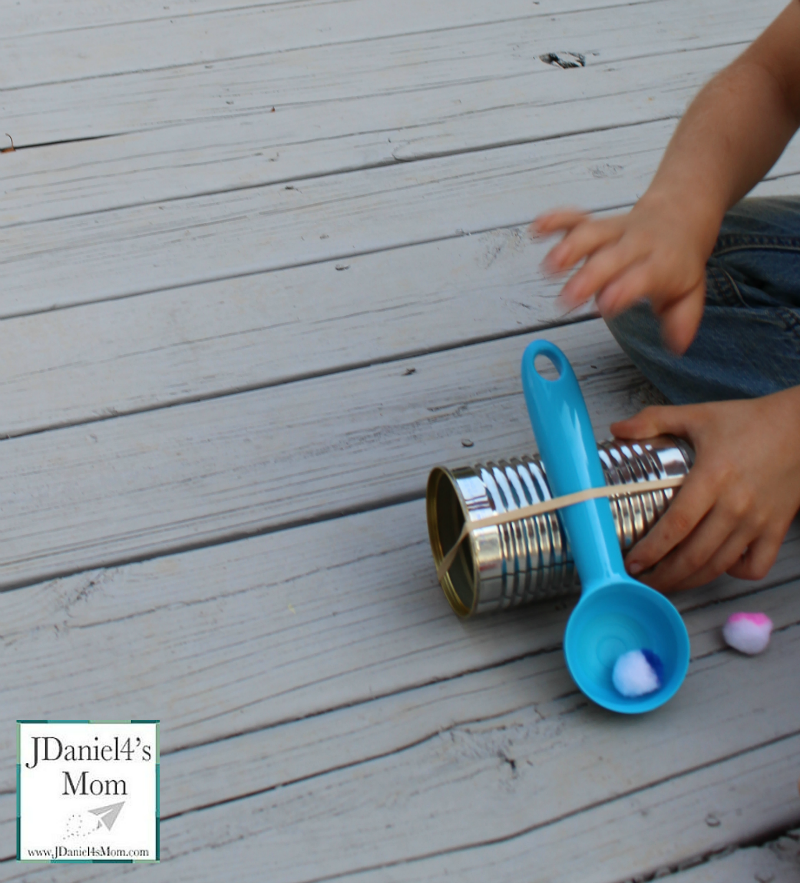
column 729, row 138
column 744, row 489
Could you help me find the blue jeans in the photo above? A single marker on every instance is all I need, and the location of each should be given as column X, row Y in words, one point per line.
column 748, row 343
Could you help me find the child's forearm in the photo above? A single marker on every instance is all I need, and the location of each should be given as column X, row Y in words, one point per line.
column 735, row 129
column 729, row 138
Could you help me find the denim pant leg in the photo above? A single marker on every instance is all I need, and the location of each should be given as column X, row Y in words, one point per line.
column 748, row 343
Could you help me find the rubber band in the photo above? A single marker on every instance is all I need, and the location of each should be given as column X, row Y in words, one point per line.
column 592, row 493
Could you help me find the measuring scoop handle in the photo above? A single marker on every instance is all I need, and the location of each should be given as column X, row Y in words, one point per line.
column 569, row 452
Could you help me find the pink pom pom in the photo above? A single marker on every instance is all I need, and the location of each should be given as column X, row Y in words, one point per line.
column 748, row 632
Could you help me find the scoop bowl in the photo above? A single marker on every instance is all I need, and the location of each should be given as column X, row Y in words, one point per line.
column 617, row 618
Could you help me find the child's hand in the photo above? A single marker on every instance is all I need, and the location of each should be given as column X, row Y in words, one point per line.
column 733, row 511
column 658, row 250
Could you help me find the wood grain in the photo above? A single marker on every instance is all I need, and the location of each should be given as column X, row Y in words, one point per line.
column 38, row 16
column 123, row 356
column 417, row 72
column 306, row 140
column 144, row 248
column 190, row 342
column 133, row 354
column 634, row 834
column 44, row 56
column 275, row 756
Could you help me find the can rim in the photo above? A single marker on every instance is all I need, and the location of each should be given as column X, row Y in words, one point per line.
column 437, row 474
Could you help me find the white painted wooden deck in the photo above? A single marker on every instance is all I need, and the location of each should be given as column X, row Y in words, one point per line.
column 263, row 265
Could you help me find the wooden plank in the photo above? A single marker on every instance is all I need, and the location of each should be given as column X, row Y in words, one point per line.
column 128, row 355
column 753, row 795
column 361, row 651
column 149, row 247
column 180, row 345
column 388, row 71
column 288, row 753
column 417, row 820
column 205, row 600
column 127, row 488
column 189, row 343
column 196, row 341
column 38, row 16
column 131, row 487
column 298, row 142
column 144, row 248
column 114, row 48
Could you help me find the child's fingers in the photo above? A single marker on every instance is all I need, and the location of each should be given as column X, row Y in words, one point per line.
column 681, row 319
column 581, row 241
column 604, row 265
column 656, row 420
column 759, row 557
column 635, row 284
column 560, row 219
column 692, row 502
column 641, row 425
column 722, row 554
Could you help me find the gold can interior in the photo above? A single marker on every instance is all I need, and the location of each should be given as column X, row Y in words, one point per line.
column 446, row 517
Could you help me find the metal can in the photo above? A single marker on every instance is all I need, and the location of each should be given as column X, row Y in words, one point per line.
column 506, row 566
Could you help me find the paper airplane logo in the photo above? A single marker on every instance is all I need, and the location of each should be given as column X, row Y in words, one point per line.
column 108, row 814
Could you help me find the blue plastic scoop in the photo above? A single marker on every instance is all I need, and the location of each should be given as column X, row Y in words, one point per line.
column 616, row 613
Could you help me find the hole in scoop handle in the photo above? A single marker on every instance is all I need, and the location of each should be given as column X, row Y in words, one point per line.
column 569, row 452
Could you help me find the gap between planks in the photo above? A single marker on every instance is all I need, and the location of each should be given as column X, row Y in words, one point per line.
column 160, row 246
column 175, row 347
column 37, row 17
column 45, row 15
column 194, row 343
column 186, row 345
column 549, row 684
column 771, row 862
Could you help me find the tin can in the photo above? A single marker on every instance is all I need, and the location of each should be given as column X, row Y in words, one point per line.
column 506, row 566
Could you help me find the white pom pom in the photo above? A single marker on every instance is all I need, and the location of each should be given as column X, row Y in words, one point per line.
column 748, row 632
column 635, row 675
